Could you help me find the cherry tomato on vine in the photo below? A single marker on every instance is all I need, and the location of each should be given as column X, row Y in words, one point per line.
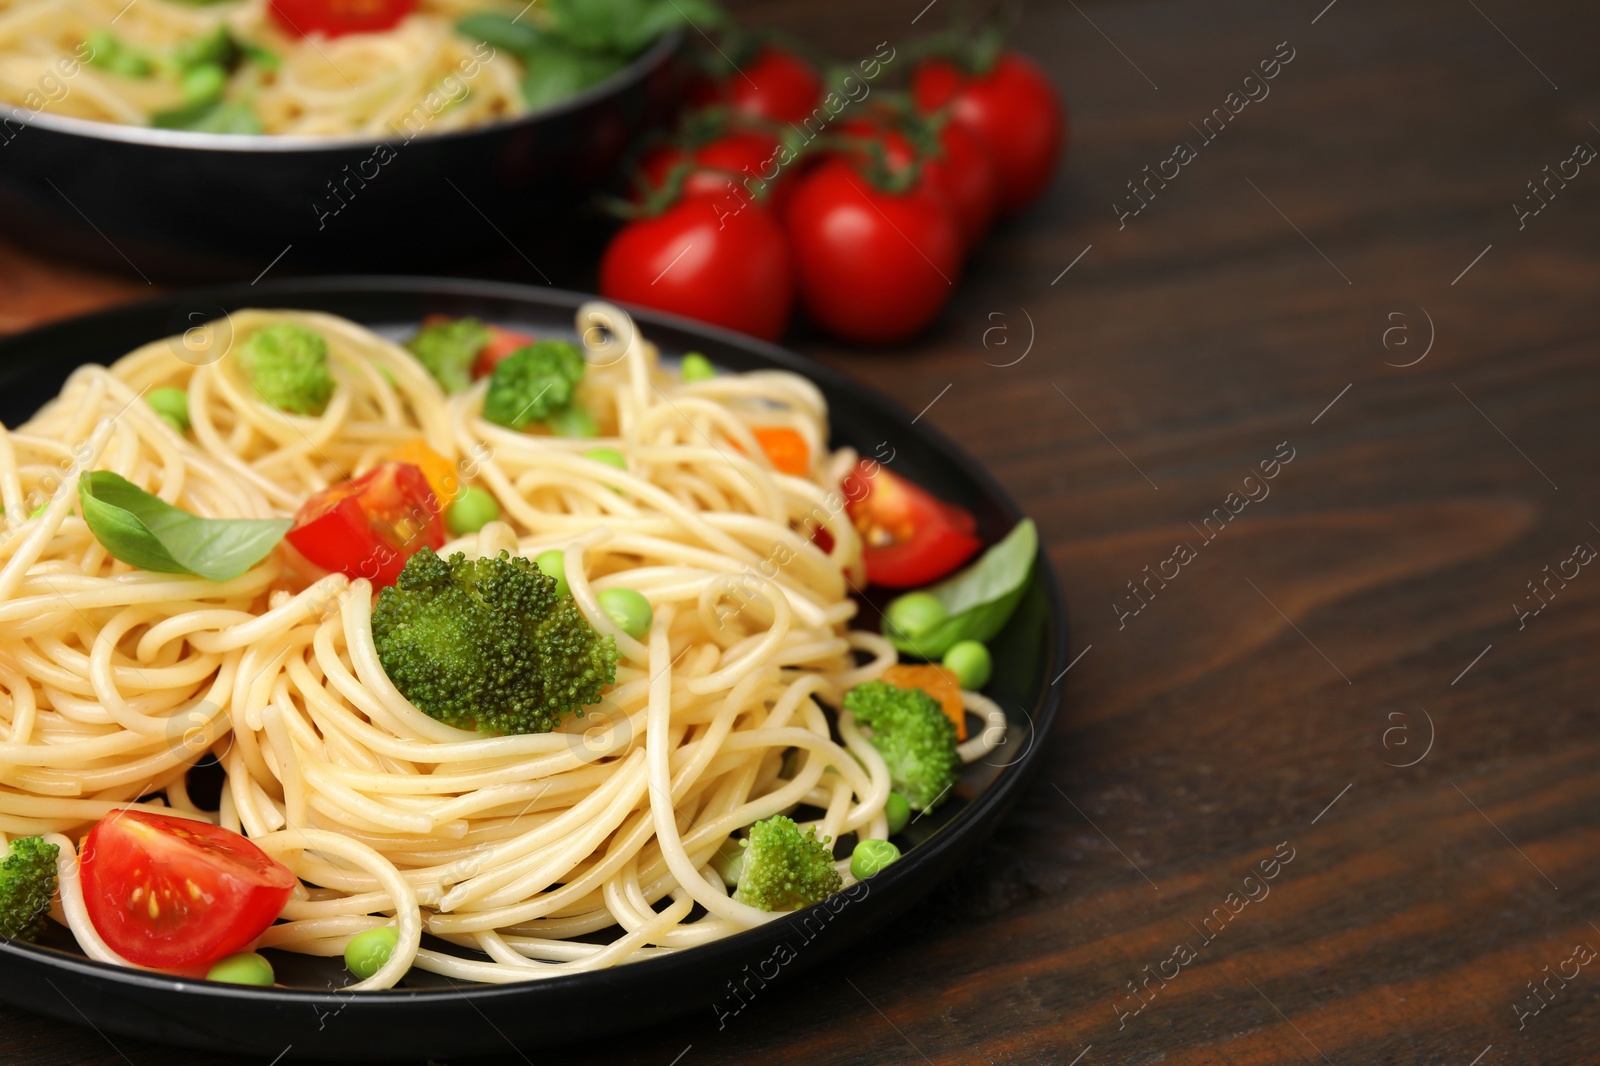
column 961, row 171
column 1014, row 111
column 875, row 266
column 333, row 18
column 737, row 156
column 699, row 258
column 776, row 85
column 171, row 892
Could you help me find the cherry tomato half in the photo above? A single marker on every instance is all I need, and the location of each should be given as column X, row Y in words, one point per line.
column 370, row 526
column 909, row 538
column 502, row 342
column 333, row 18
column 171, row 892
column 698, row 258
column 776, row 85
column 875, row 266
column 1013, row 109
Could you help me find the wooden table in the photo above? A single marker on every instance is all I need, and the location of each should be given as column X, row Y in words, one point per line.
column 1337, row 673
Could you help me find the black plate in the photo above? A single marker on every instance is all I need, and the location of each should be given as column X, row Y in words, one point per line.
column 212, row 207
column 429, row 1016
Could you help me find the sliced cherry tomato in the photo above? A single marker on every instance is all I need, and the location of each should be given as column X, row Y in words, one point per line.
column 171, row 892
column 937, row 682
column 875, row 266
column 333, row 18
column 440, row 472
column 785, row 449
column 909, row 538
column 776, row 85
column 701, row 260
column 1014, row 111
column 502, row 342
column 370, row 526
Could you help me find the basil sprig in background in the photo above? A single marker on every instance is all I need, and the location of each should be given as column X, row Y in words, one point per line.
column 147, row 532
column 565, row 46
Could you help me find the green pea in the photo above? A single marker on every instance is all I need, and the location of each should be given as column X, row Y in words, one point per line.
column 870, row 856
column 261, row 57
column 368, row 950
column 970, row 662
column 697, row 367
column 574, row 422
column 129, row 64
column 915, row 613
column 554, row 564
column 171, row 404
column 100, row 44
column 898, row 810
column 609, row 456
column 204, row 82
column 106, row 51
column 630, row 610
column 245, row 968
column 470, row 511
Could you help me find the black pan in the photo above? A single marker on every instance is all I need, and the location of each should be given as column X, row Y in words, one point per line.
column 155, row 204
column 428, row 1016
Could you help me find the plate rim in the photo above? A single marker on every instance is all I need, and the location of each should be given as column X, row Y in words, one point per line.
column 1000, row 793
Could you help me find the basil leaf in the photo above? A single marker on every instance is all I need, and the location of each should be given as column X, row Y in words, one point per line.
column 980, row 598
column 147, row 532
column 627, row 27
column 501, row 31
column 553, row 72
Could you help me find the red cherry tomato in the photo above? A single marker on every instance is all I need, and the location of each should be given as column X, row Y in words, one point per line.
column 1014, row 111
column 737, row 157
column 875, row 267
column 502, row 342
column 333, row 18
column 700, row 259
column 909, row 538
column 369, row 527
column 170, row 892
column 776, row 85
column 962, row 171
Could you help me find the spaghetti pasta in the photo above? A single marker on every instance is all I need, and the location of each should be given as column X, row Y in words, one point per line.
column 421, row 73
column 520, row 856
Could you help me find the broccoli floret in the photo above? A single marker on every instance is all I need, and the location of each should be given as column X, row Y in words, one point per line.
column 216, row 47
column 448, row 349
column 533, row 383
column 288, row 365
column 785, row 869
column 488, row 644
column 916, row 739
column 27, row 884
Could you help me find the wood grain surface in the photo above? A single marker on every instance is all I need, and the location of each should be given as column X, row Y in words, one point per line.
column 1340, row 277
